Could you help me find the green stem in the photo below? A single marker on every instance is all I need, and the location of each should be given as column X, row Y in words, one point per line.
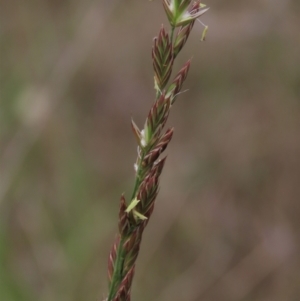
column 118, row 270
column 138, row 180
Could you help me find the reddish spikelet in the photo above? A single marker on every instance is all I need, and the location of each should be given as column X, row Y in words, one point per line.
column 165, row 140
column 123, row 293
column 159, row 147
column 158, row 116
column 177, row 83
column 181, row 38
column 126, row 282
column 158, row 166
column 151, row 157
column 137, row 133
column 131, row 240
column 162, row 56
column 149, row 210
column 132, row 247
column 124, row 225
column 112, row 258
column 148, row 192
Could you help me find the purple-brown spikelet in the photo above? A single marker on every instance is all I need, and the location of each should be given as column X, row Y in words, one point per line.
column 124, row 224
column 137, row 132
column 152, row 142
column 178, row 81
column 123, row 294
column 164, row 140
column 162, row 56
column 181, row 37
column 158, row 116
column 132, row 246
column 158, row 113
column 112, row 258
column 148, row 193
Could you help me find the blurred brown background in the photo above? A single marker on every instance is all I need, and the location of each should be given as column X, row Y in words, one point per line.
column 226, row 224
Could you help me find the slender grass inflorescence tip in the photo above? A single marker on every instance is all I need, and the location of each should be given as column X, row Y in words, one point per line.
column 152, row 142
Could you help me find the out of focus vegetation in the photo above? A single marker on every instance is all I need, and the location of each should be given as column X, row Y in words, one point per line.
column 227, row 220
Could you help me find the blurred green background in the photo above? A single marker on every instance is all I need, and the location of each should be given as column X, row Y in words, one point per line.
column 227, row 219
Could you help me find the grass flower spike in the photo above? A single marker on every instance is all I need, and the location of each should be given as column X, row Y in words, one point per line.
column 152, row 141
